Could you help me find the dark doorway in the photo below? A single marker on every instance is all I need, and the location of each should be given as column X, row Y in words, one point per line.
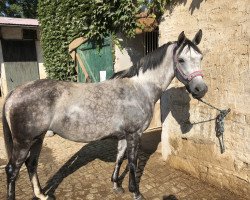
column 19, row 50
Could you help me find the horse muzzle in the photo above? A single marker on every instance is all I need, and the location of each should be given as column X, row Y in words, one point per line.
column 197, row 90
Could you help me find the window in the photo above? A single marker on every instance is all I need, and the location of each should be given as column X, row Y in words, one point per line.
column 151, row 41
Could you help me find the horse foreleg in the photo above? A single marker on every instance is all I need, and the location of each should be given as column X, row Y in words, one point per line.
column 133, row 141
column 18, row 156
column 31, row 164
column 121, row 149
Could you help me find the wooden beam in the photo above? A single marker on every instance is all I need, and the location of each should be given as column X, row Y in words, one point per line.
column 76, row 43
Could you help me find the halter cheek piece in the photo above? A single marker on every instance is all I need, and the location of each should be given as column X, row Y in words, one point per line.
column 189, row 77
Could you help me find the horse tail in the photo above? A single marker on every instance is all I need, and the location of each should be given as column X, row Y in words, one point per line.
column 7, row 132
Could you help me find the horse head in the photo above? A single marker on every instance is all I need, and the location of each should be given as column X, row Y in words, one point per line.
column 187, row 64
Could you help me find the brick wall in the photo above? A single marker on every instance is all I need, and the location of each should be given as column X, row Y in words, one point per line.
column 188, row 137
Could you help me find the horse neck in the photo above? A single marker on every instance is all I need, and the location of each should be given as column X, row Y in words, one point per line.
column 155, row 81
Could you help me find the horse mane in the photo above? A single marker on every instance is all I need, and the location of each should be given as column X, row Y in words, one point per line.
column 150, row 61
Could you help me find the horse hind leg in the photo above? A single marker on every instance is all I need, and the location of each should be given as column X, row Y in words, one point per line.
column 122, row 146
column 31, row 164
column 18, row 156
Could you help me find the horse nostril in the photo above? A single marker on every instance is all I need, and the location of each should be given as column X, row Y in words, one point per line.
column 197, row 89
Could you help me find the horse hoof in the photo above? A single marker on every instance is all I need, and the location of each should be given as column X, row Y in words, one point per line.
column 50, row 197
column 119, row 190
column 47, row 197
column 139, row 197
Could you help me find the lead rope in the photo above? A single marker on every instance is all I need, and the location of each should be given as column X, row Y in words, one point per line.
column 219, row 124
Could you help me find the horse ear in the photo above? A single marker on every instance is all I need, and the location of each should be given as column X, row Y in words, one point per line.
column 197, row 37
column 181, row 38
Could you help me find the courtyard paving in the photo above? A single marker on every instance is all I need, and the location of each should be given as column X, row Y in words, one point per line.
column 76, row 171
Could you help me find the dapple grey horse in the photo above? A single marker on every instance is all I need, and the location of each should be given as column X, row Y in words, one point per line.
column 121, row 107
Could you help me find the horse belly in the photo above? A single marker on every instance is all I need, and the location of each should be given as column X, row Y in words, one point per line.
column 84, row 130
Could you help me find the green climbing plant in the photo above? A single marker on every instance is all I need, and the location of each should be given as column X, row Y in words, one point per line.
column 63, row 21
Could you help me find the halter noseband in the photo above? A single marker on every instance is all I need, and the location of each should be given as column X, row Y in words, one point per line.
column 185, row 77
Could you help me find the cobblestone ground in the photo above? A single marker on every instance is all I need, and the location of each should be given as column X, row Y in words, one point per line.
column 75, row 171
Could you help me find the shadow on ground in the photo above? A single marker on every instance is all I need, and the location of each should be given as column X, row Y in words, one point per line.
column 106, row 151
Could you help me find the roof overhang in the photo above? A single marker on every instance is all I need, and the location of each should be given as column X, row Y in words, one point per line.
column 19, row 22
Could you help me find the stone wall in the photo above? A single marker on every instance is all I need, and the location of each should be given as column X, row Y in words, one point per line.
column 130, row 52
column 188, row 137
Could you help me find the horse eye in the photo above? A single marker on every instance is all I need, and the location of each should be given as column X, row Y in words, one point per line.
column 181, row 60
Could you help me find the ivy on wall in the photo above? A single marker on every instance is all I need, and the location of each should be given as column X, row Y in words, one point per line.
column 63, row 21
